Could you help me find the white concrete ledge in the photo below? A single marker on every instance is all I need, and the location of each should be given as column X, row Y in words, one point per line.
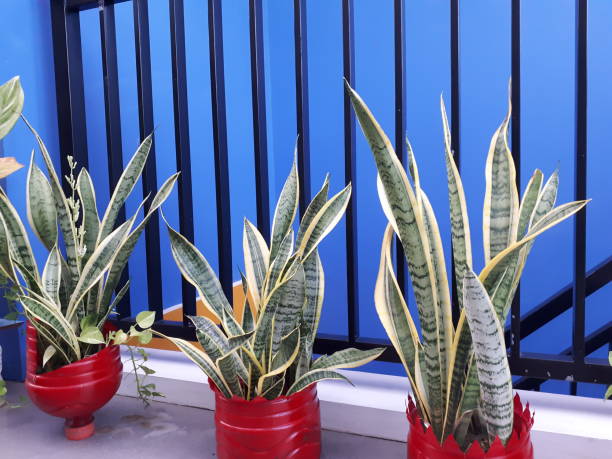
column 376, row 405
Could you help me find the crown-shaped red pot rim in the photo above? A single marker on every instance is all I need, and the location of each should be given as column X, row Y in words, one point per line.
column 523, row 421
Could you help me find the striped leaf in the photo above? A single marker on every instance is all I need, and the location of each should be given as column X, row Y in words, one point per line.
column 98, row 264
column 210, row 337
column 127, row 247
column 64, row 213
column 227, row 370
column 501, row 203
column 51, row 277
column 287, row 352
column 286, row 209
column 113, row 304
column 496, row 401
column 325, row 221
column 248, row 320
column 445, row 317
column 275, row 390
column 288, row 311
column 124, row 187
column 47, row 336
column 460, row 225
column 312, row 377
column 41, row 206
column 394, row 314
column 196, row 270
column 546, row 199
column 346, row 358
column 91, row 221
column 529, row 201
column 314, row 291
column 19, row 243
column 11, row 104
column 256, row 260
column 400, row 206
column 312, row 210
column 6, row 264
column 49, row 315
column 273, row 276
column 201, row 360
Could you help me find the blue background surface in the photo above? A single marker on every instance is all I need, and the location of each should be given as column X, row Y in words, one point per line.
column 547, row 142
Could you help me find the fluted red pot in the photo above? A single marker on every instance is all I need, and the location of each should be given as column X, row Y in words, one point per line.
column 286, row 427
column 75, row 391
column 422, row 443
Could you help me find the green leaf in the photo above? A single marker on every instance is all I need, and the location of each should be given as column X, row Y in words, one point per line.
column 64, row 212
column 120, row 338
column 197, row 271
column 41, row 206
column 289, row 308
column 118, row 297
column 201, row 360
column 11, row 105
column 91, row 335
column 286, row 209
column 145, row 336
column 501, row 206
column 51, row 317
column 51, row 277
column 460, row 225
column 325, row 221
column 256, row 259
column 49, row 352
column 98, row 264
column 274, row 275
column 127, row 247
column 312, row 210
column 346, row 358
column 225, row 364
column 145, row 319
column 21, row 250
column 312, row 377
column 496, row 399
column 529, row 201
column 401, row 208
column 91, row 221
column 314, row 290
column 546, row 199
column 124, row 187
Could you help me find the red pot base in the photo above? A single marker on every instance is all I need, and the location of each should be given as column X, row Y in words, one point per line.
column 286, row 427
column 79, row 431
column 75, row 391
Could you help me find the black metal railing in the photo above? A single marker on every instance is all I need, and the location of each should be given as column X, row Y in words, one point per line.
column 572, row 364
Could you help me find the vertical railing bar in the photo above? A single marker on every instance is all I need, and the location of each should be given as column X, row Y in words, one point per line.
column 181, row 138
column 149, row 174
column 69, row 91
column 515, row 318
column 350, row 173
column 217, row 85
column 580, row 171
column 400, row 114
column 455, row 116
column 260, row 136
column 112, row 112
column 301, row 101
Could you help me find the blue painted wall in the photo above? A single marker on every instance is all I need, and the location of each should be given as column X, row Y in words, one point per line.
column 548, row 132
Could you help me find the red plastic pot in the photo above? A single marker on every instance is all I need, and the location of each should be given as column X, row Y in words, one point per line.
column 286, row 427
column 422, row 443
column 75, row 391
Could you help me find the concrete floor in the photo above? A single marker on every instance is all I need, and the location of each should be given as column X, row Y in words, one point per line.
column 126, row 429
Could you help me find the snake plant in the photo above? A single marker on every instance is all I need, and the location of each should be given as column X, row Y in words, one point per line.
column 459, row 374
column 69, row 302
column 267, row 349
